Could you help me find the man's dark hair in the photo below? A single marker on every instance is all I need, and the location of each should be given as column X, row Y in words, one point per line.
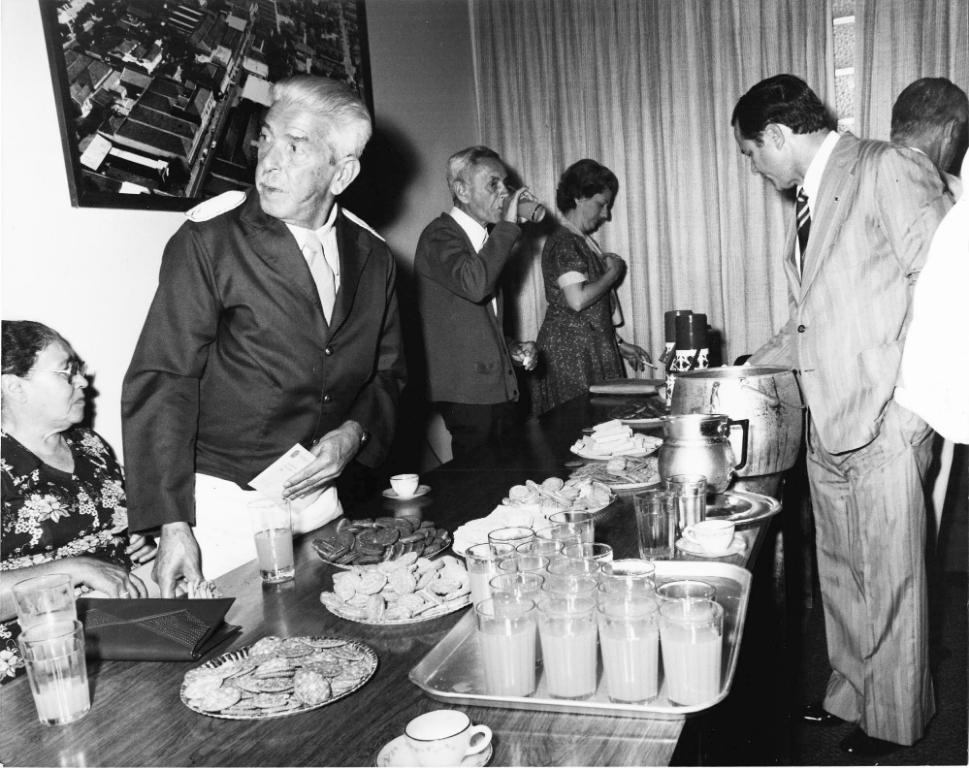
column 584, row 178
column 783, row 100
column 926, row 105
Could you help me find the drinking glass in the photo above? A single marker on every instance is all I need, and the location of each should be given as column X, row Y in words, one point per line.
column 514, row 535
column 656, row 523
column 629, row 641
column 691, row 636
column 582, row 523
column 44, row 599
column 54, row 656
column 517, row 586
column 557, row 533
column 629, row 575
column 690, row 492
column 571, row 586
column 567, row 627
column 506, row 639
column 686, row 589
column 599, row 553
column 549, row 548
column 272, row 530
column 524, row 564
column 484, row 563
column 566, row 566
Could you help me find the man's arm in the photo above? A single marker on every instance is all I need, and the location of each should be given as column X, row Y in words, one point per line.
column 160, row 397
column 457, row 268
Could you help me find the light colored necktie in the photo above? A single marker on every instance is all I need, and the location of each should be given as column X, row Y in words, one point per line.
column 322, row 273
column 803, row 212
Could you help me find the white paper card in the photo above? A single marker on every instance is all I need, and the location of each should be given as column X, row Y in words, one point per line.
column 270, row 481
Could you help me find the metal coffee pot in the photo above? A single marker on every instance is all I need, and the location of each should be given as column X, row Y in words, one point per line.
column 699, row 443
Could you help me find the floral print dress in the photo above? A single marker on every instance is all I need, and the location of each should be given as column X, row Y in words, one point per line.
column 578, row 348
column 49, row 514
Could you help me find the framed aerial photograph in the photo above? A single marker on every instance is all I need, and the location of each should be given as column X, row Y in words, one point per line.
column 160, row 101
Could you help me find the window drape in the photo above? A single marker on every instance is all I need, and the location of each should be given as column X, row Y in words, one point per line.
column 898, row 41
column 647, row 87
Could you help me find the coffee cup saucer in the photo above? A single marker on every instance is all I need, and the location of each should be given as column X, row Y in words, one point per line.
column 390, row 493
column 397, row 752
column 737, row 546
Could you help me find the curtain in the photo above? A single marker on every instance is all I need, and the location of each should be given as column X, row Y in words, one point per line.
column 647, row 88
column 898, row 41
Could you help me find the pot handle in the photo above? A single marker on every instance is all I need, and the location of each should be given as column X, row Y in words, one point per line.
column 745, row 424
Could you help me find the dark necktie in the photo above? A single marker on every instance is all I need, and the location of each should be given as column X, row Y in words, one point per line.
column 803, row 223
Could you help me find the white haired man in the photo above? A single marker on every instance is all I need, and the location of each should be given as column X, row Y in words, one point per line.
column 458, row 264
column 275, row 322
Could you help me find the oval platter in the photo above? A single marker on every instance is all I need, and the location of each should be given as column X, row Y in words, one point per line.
column 350, row 664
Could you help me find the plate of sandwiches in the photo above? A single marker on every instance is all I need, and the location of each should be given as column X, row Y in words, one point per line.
column 613, row 439
column 622, row 473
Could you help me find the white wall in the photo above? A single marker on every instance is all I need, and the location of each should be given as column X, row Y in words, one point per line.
column 90, row 273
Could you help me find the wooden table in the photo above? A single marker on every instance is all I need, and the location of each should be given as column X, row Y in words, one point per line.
column 137, row 717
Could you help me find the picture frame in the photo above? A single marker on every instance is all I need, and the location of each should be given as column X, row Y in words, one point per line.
column 160, row 102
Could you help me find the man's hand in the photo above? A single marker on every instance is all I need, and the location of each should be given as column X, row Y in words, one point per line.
column 333, row 452
column 511, row 206
column 525, row 354
column 178, row 558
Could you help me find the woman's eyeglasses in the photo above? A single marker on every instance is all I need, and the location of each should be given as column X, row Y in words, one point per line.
column 74, row 369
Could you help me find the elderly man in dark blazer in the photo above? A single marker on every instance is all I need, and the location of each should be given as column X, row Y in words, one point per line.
column 275, row 322
column 458, row 264
column 866, row 213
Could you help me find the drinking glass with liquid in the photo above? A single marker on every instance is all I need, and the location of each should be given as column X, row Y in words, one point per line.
column 691, row 637
column 484, row 563
column 567, row 627
column 272, row 529
column 506, row 634
column 629, row 642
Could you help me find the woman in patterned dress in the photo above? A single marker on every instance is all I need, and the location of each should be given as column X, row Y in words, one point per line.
column 64, row 508
column 578, row 339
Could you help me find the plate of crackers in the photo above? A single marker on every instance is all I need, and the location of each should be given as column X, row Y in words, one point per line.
column 367, row 541
column 621, row 473
column 557, row 495
column 407, row 590
column 277, row 677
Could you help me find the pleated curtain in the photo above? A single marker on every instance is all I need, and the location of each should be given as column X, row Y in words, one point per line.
column 647, row 87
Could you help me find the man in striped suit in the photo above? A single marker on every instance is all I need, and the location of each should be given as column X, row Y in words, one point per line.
column 866, row 213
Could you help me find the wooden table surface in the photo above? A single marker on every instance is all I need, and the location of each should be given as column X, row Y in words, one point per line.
column 137, row 717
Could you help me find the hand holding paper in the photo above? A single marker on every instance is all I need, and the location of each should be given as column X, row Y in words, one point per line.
column 271, row 482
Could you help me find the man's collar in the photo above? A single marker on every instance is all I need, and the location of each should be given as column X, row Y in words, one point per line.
column 300, row 232
column 812, row 178
column 475, row 231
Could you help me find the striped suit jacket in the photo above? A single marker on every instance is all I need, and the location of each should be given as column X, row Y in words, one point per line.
column 877, row 208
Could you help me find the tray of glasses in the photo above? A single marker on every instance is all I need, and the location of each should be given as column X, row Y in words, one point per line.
column 453, row 671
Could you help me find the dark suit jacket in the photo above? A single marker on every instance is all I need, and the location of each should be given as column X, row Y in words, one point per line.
column 236, row 363
column 467, row 353
column 878, row 206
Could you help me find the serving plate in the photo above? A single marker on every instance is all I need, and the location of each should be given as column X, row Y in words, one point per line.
column 742, row 507
column 432, row 613
column 585, row 453
column 350, row 664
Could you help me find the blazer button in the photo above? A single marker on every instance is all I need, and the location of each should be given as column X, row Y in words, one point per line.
column 326, row 398
column 801, row 328
column 328, row 351
column 511, row 372
column 514, row 392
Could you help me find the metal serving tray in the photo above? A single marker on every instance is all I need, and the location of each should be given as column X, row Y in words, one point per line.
column 452, row 671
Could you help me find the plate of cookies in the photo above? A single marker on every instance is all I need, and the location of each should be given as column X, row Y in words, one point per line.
column 408, row 590
column 368, row 541
column 621, row 473
column 557, row 495
column 277, row 677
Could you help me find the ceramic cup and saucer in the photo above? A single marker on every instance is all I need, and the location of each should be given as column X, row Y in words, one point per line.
column 711, row 538
column 444, row 737
column 405, row 487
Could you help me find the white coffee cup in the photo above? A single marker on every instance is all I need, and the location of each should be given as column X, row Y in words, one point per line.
column 404, row 486
column 712, row 536
column 444, row 737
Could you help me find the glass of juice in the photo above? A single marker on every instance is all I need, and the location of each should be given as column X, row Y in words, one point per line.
column 691, row 638
column 54, row 656
column 567, row 627
column 484, row 563
column 272, row 529
column 629, row 642
column 44, row 599
column 506, row 639
column 582, row 523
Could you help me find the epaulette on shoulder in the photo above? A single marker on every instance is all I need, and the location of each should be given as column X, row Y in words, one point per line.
column 357, row 220
column 216, row 206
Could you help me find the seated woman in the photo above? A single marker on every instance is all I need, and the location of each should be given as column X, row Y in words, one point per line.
column 63, row 491
column 578, row 338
